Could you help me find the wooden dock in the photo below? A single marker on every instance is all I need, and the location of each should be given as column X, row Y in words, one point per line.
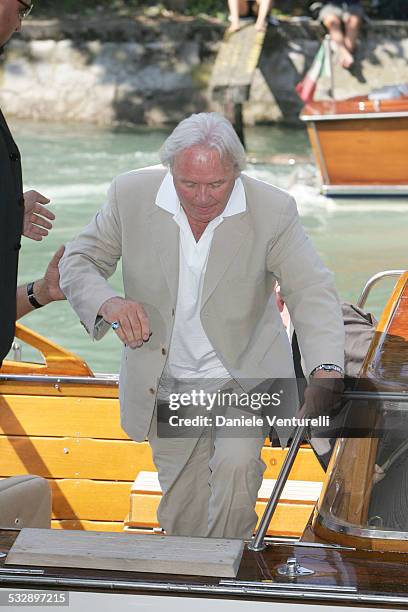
column 235, row 65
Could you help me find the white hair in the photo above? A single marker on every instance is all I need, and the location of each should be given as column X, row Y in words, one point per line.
column 209, row 129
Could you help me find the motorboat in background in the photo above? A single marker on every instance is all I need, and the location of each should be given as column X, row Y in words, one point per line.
column 361, row 144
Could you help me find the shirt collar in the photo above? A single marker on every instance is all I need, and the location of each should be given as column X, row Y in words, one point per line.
column 167, row 198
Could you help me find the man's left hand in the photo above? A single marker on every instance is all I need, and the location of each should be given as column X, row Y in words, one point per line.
column 36, row 216
column 323, row 394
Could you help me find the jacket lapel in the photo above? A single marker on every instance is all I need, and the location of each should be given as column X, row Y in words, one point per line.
column 227, row 240
column 165, row 237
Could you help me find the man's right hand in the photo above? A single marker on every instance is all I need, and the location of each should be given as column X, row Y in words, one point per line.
column 134, row 328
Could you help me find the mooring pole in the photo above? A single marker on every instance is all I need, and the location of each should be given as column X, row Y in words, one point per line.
column 238, row 122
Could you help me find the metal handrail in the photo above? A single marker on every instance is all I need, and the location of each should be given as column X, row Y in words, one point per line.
column 257, row 543
column 373, row 281
column 44, row 379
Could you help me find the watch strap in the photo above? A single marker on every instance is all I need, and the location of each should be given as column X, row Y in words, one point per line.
column 31, row 297
column 328, row 367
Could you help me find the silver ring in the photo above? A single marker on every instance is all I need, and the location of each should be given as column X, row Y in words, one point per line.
column 115, row 325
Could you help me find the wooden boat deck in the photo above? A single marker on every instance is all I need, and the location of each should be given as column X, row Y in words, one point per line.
column 341, row 576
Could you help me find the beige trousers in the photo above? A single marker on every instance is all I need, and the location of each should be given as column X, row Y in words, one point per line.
column 25, row 501
column 210, row 483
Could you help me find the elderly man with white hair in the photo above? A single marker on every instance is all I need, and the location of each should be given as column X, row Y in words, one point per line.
column 202, row 246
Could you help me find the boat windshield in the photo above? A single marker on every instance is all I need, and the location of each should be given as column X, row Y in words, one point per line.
column 366, row 490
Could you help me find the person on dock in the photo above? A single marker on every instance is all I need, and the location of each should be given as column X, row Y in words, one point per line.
column 202, row 245
column 342, row 19
column 248, row 8
column 20, row 213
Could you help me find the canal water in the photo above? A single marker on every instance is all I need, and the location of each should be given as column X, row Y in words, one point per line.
column 73, row 165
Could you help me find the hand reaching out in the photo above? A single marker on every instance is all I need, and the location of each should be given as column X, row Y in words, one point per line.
column 36, row 216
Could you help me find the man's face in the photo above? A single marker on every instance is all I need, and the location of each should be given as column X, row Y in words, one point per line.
column 203, row 182
column 10, row 21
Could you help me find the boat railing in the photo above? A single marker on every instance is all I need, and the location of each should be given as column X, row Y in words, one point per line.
column 257, row 543
column 373, row 281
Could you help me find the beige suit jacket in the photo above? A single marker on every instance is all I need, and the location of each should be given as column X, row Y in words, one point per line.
column 249, row 252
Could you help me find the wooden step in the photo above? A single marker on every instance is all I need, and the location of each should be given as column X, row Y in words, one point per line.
column 126, row 553
column 291, row 516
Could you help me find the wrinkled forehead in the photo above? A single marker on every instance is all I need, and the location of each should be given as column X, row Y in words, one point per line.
column 202, row 156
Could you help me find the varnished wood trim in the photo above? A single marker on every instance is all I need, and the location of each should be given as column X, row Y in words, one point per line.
column 57, row 359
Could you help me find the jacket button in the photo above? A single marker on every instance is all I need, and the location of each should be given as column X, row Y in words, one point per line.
column 21, row 201
column 173, row 312
column 152, row 391
column 14, row 157
column 17, row 246
column 164, row 352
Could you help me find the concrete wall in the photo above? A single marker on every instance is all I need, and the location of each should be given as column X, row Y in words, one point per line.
column 156, row 71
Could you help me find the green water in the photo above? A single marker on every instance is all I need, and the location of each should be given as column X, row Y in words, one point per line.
column 73, row 165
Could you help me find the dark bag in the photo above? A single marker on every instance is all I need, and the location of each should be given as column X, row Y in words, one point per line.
column 359, row 328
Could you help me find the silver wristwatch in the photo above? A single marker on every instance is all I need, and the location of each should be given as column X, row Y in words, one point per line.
column 328, row 367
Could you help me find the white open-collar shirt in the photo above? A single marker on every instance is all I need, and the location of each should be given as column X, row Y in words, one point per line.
column 191, row 354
